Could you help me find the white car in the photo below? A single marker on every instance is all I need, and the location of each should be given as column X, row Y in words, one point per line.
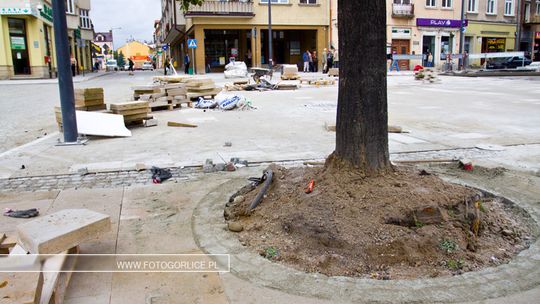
column 111, row 65
column 147, row 66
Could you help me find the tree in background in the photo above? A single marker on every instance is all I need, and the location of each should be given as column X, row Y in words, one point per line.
column 121, row 59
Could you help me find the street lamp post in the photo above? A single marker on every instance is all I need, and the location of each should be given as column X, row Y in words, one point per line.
column 65, row 79
column 270, row 34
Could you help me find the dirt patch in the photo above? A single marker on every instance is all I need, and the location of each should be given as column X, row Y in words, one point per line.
column 399, row 226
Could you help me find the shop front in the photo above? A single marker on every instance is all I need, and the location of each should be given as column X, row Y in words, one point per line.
column 482, row 37
column 440, row 37
column 26, row 43
column 536, row 47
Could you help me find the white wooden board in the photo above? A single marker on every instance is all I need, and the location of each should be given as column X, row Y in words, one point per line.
column 101, row 124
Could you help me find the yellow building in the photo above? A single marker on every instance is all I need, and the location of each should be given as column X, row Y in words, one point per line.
column 239, row 29
column 138, row 52
column 26, row 40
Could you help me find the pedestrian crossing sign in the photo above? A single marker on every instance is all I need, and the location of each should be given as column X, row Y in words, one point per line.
column 192, row 43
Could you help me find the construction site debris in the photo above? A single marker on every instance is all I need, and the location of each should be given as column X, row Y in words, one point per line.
column 133, row 111
column 144, row 90
column 160, row 175
column 333, row 72
column 101, row 124
column 60, row 231
column 318, row 81
column 28, row 213
column 150, row 122
column 290, row 72
column 180, row 124
column 236, row 69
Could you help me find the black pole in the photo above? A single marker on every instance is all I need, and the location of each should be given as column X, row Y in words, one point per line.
column 270, row 34
column 461, row 60
column 65, row 80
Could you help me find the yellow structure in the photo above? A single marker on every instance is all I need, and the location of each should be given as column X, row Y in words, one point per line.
column 138, row 52
column 239, row 29
column 26, row 41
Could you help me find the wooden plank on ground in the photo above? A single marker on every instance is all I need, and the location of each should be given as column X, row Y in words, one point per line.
column 129, row 105
column 180, row 124
column 54, row 282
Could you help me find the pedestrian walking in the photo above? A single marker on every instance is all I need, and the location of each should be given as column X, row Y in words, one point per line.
column 335, row 53
column 395, row 64
column 429, row 59
column 187, row 60
column 324, row 60
column 306, row 57
column 131, row 64
column 329, row 60
column 165, row 66
column 315, row 61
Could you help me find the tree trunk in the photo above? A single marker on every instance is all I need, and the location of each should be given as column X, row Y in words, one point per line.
column 362, row 112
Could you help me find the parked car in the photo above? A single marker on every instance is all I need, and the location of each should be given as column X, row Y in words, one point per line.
column 147, row 65
column 508, row 63
column 126, row 67
column 111, row 65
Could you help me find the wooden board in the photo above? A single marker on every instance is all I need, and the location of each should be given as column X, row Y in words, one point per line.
column 175, row 92
column 129, row 105
column 213, row 92
column 96, row 108
column 197, row 82
column 54, row 282
column 180, row 124
column 135, row 111
column 174, row 86
column 137, row 117
column 201, row 88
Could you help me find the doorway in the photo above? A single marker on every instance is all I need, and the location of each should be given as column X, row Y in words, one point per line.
column 19, row 46
column 428, row 47
column 401, row 47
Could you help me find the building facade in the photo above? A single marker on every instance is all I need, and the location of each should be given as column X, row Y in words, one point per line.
column 27, row 38
column 239, row 29
column 137, row 51
column 492, row 26
column 104, row 40
column 530, row 28
column 423, row 27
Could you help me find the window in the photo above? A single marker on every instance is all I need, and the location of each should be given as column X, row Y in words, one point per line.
column 509, row 7
column 431, row 3
column 447, row 3
column 85, row 19
column 538, row 8
column 527, row 16
column 491, row 7
column 472, row 7
column 70, row 7
column 307, row 1
column 402, row 1
column 276, row 1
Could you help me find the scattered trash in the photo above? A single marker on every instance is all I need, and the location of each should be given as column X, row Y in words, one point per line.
column 180, row 124
column 23, row 167
column 21, row 213
column 220, row 167
column 424, row 173
column 160, row 175
column 267, row 178
column 239, row 162
column 466, row 164
column 310, row 186
column 230, row 167
column 205, row 103
column 150, row 122
column 83, row 171
column 140, row 167
column 228, row 144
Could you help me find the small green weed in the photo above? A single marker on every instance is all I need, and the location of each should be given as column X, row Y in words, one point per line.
column 455, row 264
column 271, row 252
column 448, row 246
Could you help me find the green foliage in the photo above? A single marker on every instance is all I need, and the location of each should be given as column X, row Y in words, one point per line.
column 271, row 252
column 455, row 264
column 184, row 4
column 418, row 224
column 448, row 246
column 121, row 61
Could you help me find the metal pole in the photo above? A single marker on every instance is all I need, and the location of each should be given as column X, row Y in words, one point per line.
column 461, row 35
column 270, row 34
column 193, row 60
column 517, row 46
column 65, row 80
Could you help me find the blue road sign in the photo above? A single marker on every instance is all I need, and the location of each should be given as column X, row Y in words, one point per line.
column 192, row 43
column 165, row 47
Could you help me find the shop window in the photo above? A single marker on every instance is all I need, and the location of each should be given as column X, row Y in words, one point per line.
column 431, row 3
column 307, row 1
column 472, row 6
column 85, row 19
column 402, row 1
column 447, row 3
column 491, row 7
column 276, row 1
column 509, row 7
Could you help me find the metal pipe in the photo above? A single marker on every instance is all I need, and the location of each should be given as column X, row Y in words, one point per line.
column 270, row 34
column 268, row 175
column 65, row 79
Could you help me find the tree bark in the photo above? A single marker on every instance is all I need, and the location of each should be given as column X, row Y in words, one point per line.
column 362, row 112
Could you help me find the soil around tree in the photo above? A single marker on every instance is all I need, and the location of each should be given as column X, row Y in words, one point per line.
column 402, row 225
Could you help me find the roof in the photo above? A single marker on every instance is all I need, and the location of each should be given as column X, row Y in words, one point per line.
column 107, row 37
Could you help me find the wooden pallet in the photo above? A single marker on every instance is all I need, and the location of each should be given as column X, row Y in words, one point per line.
column 290, row 77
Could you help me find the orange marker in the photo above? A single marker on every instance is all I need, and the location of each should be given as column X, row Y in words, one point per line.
column 310, row 186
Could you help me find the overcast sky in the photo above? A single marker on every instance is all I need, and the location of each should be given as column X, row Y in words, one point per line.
column 135, row 17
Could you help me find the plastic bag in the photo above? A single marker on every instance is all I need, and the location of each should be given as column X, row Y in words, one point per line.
column 206, row 103
column 229, row 101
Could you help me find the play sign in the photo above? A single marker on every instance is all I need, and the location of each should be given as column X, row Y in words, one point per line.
column 440, row 22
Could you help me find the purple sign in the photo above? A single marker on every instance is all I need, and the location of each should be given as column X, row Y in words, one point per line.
column 440, row 22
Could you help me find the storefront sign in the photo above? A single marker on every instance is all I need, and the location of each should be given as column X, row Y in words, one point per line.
column 537, row 35
column 15, row 11
column 46, row 13
column 18, row 43
column 440, row 22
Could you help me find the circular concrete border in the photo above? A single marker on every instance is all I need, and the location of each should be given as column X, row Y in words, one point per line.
column 212, row 236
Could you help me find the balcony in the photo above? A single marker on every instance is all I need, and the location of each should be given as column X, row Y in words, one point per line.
column 402, row 11
column 535, row 19
column 213, row 8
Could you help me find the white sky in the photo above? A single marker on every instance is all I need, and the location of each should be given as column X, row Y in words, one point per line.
column 135, row 17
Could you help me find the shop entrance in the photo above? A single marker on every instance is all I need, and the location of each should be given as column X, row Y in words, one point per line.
column 428, row 46
column 401, row 47
column 289, row 45
column 19, row 46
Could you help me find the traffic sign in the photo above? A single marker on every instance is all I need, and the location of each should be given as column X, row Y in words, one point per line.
column 165, row 47
column 192, row 43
